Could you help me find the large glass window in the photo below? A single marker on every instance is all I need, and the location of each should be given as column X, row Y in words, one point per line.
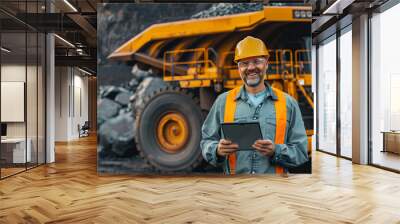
column 385, row 89
column 346, row 93
column 327, row 96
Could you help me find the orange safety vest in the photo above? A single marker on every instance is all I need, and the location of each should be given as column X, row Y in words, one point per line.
column 280, row 110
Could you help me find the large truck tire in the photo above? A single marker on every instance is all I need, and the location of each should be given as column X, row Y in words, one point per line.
column 168, row 130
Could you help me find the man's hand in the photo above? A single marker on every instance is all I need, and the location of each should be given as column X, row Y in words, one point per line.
column 226, row 147
column 265, row 147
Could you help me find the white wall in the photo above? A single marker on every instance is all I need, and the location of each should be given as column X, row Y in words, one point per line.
column 61, row 103
column 81, row 104
column 13, row 73
column 33, row 126
column 16, row 73
column 71, row 94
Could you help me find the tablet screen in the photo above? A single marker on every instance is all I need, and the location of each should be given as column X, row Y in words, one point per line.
column 243, row 134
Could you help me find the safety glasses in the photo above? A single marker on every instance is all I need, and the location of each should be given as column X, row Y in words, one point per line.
column 256, row 62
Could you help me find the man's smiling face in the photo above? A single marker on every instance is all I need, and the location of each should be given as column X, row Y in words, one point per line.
column 252, row 70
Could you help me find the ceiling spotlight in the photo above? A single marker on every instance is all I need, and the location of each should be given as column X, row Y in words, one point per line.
column 80, row 51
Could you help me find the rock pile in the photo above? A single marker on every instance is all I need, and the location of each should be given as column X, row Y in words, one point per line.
column 116, row 113
column 221, row 9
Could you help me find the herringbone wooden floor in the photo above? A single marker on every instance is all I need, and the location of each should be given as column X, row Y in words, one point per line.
column 70, row 191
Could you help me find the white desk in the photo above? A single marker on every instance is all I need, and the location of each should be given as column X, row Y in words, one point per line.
column 18, row 149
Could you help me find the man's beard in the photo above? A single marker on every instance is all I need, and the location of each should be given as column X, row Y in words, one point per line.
column 255, row 81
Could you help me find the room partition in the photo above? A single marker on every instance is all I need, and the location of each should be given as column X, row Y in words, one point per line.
column 22, row 77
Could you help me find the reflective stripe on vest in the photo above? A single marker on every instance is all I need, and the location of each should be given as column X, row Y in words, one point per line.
column 280, row 111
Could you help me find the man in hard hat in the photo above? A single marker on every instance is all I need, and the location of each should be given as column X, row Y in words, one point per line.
column 285, row 141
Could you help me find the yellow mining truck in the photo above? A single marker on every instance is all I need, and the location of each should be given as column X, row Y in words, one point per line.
column 195, row 58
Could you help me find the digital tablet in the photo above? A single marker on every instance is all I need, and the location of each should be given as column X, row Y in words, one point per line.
column 244, row 134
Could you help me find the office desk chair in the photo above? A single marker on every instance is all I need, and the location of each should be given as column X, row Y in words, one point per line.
column 84, row 130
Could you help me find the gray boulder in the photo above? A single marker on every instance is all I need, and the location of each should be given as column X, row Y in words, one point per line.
column 139, row 74
column 117, row 135
column 106, row 110
column 123, row 98
column 132, row 85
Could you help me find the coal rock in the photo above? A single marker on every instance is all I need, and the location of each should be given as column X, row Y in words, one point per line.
column 138, row 74
column 132, row 98
column 123, row 98
column 101, row 91
column 221, row 9
column 146, row 88
column 111, row 92
column 101, row 152
column 117, row 135
column 132, row 85
column 125, row 85
column 124, row 110
column 106, row 110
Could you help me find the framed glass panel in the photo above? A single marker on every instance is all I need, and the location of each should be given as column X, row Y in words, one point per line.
column 346, row 94
column 327, row 96
column 385, row 89
column 32, row 97
column 14, row 151
column 22, row 89
column 41, row 112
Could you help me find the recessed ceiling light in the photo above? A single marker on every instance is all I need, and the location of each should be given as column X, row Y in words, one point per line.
column 65, row 41
column 70, row 5
column 5, row 50
column 84, row 71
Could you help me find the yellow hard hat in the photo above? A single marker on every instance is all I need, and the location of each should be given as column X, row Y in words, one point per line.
column 250, row 47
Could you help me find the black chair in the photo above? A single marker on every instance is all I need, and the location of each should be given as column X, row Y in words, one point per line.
column 84, row 130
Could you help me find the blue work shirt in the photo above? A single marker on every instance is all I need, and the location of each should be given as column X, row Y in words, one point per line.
column 258, row 98
column 291, row 154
